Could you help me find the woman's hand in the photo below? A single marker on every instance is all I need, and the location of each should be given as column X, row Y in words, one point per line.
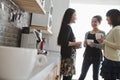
column 91, row 44
column 78, row 44
column 101, row 40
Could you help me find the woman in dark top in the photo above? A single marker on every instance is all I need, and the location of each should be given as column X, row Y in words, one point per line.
column 93, row 53
column 66, row 40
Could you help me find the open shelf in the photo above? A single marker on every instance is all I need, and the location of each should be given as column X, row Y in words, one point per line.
column 31, row 6
column 45, row 30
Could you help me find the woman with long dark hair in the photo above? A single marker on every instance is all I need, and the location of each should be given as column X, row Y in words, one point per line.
column 111, row 65
column 66, row 40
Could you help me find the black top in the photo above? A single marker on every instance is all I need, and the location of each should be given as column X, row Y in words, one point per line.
column 92, row 51
column 67, row 51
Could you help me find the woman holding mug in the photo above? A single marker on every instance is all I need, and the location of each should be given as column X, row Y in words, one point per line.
column 111, row 65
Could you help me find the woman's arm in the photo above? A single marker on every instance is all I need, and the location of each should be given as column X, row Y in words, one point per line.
column 116, row 38
column 85, row 40
column 76, row 44
column 99, row 46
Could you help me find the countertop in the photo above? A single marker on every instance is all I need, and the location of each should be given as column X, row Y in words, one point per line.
column 40, row 72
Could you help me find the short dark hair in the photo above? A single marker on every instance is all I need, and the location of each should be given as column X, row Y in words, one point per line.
column 98, row 17
column 114, row 15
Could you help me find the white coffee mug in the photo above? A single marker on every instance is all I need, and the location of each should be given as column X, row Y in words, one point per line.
column 89, row 41
column 99, row 35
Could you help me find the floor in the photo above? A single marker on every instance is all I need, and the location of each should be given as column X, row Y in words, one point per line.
column 89, row 76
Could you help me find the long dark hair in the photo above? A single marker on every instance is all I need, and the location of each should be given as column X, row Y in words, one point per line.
column 114, row 15
column 66, row 20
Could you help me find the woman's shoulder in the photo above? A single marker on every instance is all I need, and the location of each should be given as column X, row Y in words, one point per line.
column 116, row 29
column 88, row 32
column 68, row 27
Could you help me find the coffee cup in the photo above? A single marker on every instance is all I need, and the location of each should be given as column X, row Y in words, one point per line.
column 89, row 41
column 99, row 35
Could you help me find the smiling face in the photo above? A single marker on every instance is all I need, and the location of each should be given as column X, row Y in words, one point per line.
column 109, row 20
column 113, row 17
column 95, row 23
column 73, row 19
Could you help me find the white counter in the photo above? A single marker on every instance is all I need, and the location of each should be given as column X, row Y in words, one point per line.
column 16, row 63
column 39, row 73
column 20, row 64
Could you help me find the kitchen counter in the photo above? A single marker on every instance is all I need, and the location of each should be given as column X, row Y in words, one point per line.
column 40, row 72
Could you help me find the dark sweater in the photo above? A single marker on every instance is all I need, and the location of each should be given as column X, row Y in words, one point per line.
column 67, row 51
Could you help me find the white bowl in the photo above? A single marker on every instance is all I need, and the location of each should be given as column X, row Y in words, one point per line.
column 16, row 63
column 89, row 41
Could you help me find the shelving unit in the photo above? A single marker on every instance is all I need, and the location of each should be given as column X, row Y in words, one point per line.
column 43, row 22
column 45, row 30
column 41, row 18
column 30, row 6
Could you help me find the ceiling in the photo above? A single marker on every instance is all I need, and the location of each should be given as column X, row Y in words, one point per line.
column 104, row 2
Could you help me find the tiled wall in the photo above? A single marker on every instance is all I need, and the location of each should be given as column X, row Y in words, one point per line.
column 10, row 32
column 9, row 35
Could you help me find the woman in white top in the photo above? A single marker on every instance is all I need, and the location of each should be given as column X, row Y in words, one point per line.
column 111, row 65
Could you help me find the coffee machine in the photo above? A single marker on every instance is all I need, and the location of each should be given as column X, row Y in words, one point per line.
column 34, row 40
column 31, row 39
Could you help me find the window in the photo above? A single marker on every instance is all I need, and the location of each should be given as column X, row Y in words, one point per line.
column 85, row 13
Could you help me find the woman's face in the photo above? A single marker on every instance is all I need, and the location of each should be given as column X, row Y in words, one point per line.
column 95, row 23
column 73, row 19
column 109, row 20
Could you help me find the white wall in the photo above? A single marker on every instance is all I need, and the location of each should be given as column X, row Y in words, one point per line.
column 58, row 10
column 97, row 2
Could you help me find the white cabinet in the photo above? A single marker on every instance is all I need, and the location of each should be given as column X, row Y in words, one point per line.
column 43, row 22
column 49, row 71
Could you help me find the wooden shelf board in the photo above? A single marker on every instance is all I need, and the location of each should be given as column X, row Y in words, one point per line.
column 44, row 29
column 32, row 6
